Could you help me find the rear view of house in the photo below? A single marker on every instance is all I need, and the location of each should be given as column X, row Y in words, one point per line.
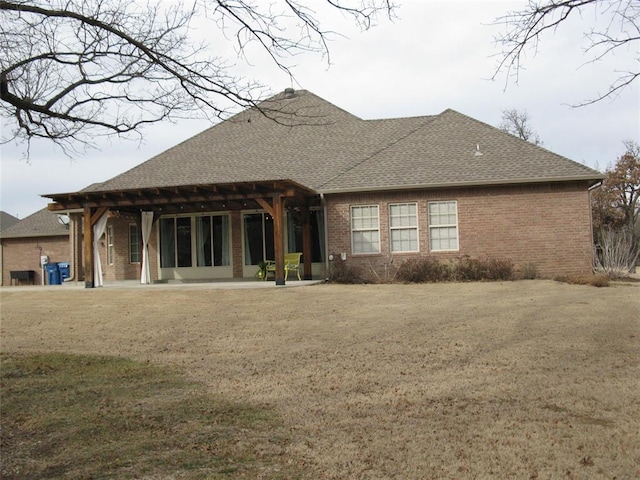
column 298, row 174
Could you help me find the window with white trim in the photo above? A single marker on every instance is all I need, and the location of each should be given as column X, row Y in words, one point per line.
column 110, row 239
column 134, row 243
column 403, row 227
column 365, row 229
column 443, row 226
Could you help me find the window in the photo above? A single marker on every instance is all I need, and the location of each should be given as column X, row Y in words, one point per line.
column 403, row 226
column 206, row 235
column 134, row 243
column 258, row 238
column 212, row 240
column 294, row 234
column 365, row 229
column 183, row 241
column 443, row 225
column 167, row 242
column 110, row 244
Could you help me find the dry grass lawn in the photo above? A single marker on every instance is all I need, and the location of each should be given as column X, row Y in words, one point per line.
column 529, row 379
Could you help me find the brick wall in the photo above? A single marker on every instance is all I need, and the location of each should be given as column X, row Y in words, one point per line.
column 548, row 225
column 121, row 268
column 24, row 254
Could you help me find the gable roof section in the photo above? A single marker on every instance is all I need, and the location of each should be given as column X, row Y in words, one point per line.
column 6, row 220
column 294, row 144
column 42, row 223
column 304, row 139
column 456, row 150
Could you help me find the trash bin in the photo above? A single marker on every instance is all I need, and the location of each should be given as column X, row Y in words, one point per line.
column 53, row 274
column 65, row 270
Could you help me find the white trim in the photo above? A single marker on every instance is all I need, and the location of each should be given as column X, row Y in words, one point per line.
column 353, row 229
column 194, row 271
column 110, row 244
column 445, row 225
column 472, row 183
column 138, row 242
column 404, row 227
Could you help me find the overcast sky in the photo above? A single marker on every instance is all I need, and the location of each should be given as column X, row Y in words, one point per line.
column 435, row 55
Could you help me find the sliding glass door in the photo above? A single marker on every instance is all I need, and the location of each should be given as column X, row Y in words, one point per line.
column 258, row 237
column 194, row 241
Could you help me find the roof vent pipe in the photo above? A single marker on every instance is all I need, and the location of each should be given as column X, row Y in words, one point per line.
column 289, row 92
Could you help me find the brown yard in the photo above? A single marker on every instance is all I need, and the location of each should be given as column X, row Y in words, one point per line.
column 529, row 379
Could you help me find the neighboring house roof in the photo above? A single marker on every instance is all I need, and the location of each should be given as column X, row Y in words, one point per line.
column 320, row 146
column 6, row 220
column 39, row 224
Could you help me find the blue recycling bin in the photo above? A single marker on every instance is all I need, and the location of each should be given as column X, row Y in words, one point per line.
column 65, row 270
column 53, row 274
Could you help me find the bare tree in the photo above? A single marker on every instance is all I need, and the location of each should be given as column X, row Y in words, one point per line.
column 72, row 70
column 517, row 123
column 616, row 211
column 616, row 203
column 618, row 28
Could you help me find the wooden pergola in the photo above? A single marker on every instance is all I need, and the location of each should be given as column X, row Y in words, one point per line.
column 273, row 196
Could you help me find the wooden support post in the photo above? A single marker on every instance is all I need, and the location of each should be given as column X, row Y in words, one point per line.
column 306, row 244
column 91, row 216
column 88, row 248
column 278, row 236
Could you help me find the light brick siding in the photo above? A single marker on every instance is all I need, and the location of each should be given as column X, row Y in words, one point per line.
column 24, row 254
column 548, row 225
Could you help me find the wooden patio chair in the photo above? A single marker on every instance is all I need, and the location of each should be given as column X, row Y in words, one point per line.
column 291, row 264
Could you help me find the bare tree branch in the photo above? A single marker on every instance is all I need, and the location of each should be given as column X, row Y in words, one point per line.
column 525, row 29
column 72, row 70
column 517, row 123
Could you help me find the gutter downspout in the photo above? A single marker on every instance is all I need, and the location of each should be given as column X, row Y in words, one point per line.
column 593, row 238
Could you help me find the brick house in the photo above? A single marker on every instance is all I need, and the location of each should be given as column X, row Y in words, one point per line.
column 298, row 174
column 25, row 241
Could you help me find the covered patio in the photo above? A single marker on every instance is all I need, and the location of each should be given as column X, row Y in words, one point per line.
column 146, row 206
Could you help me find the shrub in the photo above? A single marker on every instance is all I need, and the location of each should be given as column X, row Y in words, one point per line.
column 528, row 271
column 499, row 269
column 465, row 269
column 420, row 270
column 601, row 280
column 342, row 272
column 469, row 269
column 616, row 252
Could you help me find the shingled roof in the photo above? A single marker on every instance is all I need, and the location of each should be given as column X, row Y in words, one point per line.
column 42, row 223
column 6, row 220
column 310, row 141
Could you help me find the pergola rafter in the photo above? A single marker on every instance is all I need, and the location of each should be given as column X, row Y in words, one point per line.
column 272, row 196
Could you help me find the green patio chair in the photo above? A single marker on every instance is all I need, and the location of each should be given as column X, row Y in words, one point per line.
column 291, row 264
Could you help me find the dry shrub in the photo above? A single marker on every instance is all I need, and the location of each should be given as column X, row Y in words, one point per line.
column 421, row 270
column 529, row 271
column 464, row 269
column 616, row 252
column 600, row 280
column 342, row 272
column 469, row 269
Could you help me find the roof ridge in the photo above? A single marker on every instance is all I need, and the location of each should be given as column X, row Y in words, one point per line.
column 378, row 151
column 407, row 117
